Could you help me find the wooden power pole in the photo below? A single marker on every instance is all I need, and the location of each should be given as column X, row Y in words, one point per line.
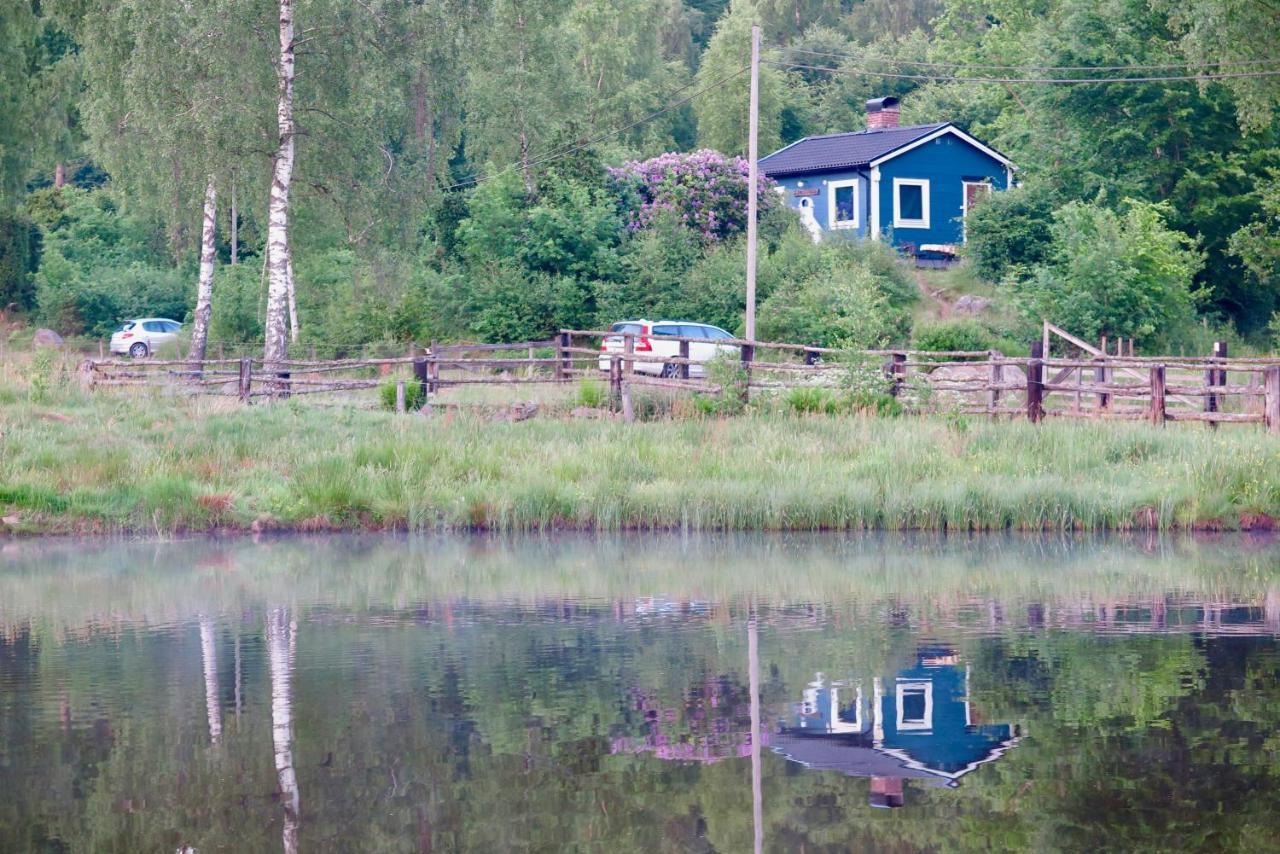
column 753, row 181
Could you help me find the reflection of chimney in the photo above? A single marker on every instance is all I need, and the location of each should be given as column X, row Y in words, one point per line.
column 886, row 792
column 882, row 113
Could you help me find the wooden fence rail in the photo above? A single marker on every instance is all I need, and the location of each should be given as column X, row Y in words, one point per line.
column 1215, row 389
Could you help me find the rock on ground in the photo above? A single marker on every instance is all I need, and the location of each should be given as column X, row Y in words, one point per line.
column 47, row 338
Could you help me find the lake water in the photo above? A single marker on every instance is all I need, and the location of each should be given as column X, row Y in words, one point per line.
column 728, row 694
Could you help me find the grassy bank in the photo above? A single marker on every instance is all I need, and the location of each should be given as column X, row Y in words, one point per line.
column 126, row 463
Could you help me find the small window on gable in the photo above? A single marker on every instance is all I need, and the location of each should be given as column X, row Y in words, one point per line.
column 910, row 203
column 843, row 211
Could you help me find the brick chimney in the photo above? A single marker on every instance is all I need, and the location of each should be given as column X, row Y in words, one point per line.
column 882, row 113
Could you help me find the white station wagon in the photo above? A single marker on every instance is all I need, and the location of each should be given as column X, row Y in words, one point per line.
column 141, row 337
column 654, row 340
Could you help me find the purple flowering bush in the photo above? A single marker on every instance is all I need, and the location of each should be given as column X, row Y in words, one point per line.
column 704, row 189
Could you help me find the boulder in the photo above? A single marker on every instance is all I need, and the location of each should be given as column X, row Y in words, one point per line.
column 1009, row 375
column 47, row 338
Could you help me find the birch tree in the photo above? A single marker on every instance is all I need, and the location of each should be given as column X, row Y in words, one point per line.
column 279, row 269
column 204, row 292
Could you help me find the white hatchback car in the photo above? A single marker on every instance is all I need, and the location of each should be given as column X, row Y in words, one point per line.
column 654, row 340
column 141, row 337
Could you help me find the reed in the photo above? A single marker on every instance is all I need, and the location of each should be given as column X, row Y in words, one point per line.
column 155, row 463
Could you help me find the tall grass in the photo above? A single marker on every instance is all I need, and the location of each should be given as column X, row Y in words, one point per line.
column 155, row 463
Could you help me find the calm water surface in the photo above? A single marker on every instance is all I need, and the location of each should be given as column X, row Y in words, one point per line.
column 814, row 694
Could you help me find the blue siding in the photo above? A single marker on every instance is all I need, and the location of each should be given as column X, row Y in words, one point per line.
column 821, row 203
column 945, row 163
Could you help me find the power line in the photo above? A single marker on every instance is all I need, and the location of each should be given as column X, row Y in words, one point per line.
column 951, row 78
column 985, row 66
column 556, row 154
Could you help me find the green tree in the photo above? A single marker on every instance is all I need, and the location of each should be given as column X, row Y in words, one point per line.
column 723, row 112
column 1116, row 274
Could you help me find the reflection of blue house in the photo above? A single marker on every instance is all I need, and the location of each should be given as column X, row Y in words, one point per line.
column 916, row 183
column 917, row 725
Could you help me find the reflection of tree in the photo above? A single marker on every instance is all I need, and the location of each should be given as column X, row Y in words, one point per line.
column 281, row 651
column 209, row 656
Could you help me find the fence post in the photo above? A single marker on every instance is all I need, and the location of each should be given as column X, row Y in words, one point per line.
column 1214, row 377
column 420, row 374
column 996, row 378
column 897, row 372
column 615, row 380
column 1102, row 376
column 748, row 356
column 1035, row 383
column 628, row 412
column 683, row 372
column 629, row 353
column 101, row 354
column 1271, row 401
column 400, row 397
column 1157, row 413
column 246, row 377
column 564, row 359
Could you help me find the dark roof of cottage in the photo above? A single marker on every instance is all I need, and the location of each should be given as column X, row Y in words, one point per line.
column 842, row 150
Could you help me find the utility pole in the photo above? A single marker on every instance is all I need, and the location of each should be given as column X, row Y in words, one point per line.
column 753, row 179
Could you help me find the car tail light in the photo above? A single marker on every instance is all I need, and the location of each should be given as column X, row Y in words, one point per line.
column 644, row 345
column 126, row 334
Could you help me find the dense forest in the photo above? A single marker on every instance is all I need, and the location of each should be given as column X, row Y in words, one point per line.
column 409, row 170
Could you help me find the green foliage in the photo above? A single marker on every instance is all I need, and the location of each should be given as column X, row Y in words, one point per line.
column 100, row 264
column 1009, row 233
column 590, row 393
column 41, row 373
column 1116, row 274
column 16, row 260
column 237, row 296
column 835, row 294
column 414, row 395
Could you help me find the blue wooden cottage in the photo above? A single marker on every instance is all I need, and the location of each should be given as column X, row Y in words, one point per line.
column 913, row 184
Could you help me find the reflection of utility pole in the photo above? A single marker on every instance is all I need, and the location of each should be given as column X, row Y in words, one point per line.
column 757, row 789
column 281, row 648
column 209, row 654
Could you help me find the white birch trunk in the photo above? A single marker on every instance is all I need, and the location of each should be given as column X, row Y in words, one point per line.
column 209, row 655
column 276, row 346
column 204, row 291
column 281, row 647
column 293, row 303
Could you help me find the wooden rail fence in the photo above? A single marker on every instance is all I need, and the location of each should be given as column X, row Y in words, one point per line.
column 1215, row 389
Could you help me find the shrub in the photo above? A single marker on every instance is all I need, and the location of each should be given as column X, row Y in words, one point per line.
column 833, row 308
column 591, row 393
column 1116, row 274
column 949, row 335
column 1009, row 233
column 414, row 395
column 704, row 189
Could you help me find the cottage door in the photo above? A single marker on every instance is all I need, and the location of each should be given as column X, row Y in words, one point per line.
column 974, row 193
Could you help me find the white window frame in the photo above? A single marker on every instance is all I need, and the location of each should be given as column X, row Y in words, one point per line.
column 856, row 222
column 925, row 723
column 964, row 202
column 923, row 184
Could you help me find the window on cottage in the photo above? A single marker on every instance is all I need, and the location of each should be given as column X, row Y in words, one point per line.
column 911, row 201
column 844, row 204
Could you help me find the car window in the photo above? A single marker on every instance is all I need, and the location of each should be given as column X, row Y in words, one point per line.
column 669, row 329
column 126, row 326
column 716, row 334
column 637, row 328
column 172, row 326
column 694, row 330
column 153, row 326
